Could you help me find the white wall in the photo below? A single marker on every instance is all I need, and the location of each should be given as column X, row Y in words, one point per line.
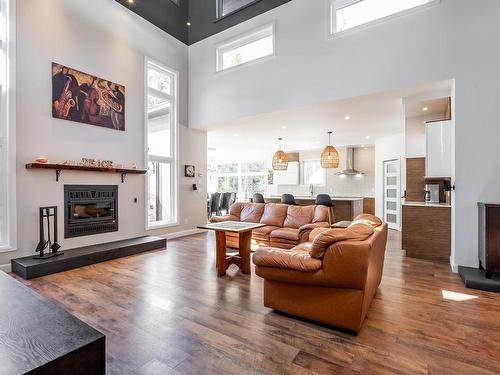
column 454, row 39
column 342, row 186
column 103, row 38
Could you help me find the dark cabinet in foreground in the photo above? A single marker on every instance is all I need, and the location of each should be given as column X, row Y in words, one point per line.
column 489, row 238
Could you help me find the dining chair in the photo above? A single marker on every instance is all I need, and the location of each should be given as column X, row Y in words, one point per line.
column 225, row 203
column 214, row 204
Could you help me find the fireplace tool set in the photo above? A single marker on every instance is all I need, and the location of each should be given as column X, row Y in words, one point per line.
column 48, row 214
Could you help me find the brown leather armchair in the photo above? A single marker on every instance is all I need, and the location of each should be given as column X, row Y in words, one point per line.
column 330, row 279
column 286, row 226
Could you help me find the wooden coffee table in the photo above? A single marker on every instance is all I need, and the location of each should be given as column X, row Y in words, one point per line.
column 242, row 258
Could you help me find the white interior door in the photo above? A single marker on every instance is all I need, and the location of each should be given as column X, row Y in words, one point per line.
column 392, row 194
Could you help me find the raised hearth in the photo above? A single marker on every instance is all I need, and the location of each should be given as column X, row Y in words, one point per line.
column 90, row 209
column 29, row 268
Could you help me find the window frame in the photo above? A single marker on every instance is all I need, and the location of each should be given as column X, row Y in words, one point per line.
column 220, row 7
column 335, row 5
column 303, row 177
column 173, row 159
column 7, row 123
column 242, row 40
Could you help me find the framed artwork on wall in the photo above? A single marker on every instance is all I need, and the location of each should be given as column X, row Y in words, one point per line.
column 189, row 171
column 82, row 97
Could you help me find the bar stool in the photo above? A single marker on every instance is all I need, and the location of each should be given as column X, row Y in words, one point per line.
column 326, row 200
column 258, row 198
column 288, row 199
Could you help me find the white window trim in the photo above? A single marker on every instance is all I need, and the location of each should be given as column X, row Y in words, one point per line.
column 174, row 160
column 219, row 8
column 303, row 177
column 241, row 40
column 334, row 5
column 8, row 120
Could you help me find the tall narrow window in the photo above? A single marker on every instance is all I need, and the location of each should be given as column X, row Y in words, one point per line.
column 244, row 49
column 347, row 14
column 162, row 133
column 7, row 159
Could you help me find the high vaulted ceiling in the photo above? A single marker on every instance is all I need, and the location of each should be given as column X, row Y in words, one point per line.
column 172, row 16
column 354, row 121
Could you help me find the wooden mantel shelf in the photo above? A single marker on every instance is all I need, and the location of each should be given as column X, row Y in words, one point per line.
column 59, row 167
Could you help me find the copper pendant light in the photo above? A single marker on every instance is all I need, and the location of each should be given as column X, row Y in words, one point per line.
column 330, row 156
column 280, row 159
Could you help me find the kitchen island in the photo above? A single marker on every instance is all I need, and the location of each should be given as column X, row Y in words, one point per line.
column 346, row 208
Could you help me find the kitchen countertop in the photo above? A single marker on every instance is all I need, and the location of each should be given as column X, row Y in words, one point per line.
column 424, row 204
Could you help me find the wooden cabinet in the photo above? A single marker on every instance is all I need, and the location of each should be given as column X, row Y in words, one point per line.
column 489, row 238
column 438, row 149
column 427, row 232
column 369, row 206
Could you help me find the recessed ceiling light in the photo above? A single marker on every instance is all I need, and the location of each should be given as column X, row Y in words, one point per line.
column 236, row 134
column 283, row 127
column 367, row 137
column 130, row 1
column 425, row 109
column 347, row 118
column 188, row 23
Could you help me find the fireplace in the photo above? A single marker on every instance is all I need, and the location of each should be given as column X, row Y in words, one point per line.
column 90, row 209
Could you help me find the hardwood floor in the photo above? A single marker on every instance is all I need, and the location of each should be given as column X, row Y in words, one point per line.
column 166, row 312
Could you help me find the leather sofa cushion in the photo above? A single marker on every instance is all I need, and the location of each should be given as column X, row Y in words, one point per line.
column 297, row 259
column 274, row 214
column 320, row 214
column 289, row 234
column 235, row 209
column 264, row 231
column 252, row 212
column 298, row 216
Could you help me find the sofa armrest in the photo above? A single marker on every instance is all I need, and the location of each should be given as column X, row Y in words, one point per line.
column 220, row 219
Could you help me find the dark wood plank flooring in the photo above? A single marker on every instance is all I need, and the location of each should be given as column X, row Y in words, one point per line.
column 166, row 312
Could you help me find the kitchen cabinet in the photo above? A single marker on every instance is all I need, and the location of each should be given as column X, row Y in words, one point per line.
column 288, row 177
column 438, row 149
column 426, row 231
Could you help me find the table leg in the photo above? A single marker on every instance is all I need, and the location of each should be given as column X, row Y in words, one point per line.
column 245, row 249
column 220, row 258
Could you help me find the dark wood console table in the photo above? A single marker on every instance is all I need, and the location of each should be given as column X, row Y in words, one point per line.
column 39, row 337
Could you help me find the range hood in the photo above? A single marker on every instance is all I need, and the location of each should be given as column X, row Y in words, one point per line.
column 349, row 163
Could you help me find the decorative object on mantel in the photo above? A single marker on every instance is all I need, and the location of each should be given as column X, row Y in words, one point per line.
column 280, row 159
column 42, row 159
column 330, row 156
column 73, row 167
column 96, row 163
column 81, row 97
column 46, row 213
column 189, row 171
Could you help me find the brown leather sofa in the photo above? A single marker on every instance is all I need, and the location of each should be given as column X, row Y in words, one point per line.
column 331, row 279
column 286, row 226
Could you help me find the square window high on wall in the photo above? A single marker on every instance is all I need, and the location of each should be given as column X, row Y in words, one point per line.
column 250, row 47
column 7, row 139
column 161, row 144
column 351, row 14
column 225, row 7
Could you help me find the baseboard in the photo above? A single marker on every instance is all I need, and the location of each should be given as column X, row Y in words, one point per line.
column 5, row 267
column 183, row 233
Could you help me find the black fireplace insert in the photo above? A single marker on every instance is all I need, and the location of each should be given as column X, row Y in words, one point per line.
column 90, row 209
